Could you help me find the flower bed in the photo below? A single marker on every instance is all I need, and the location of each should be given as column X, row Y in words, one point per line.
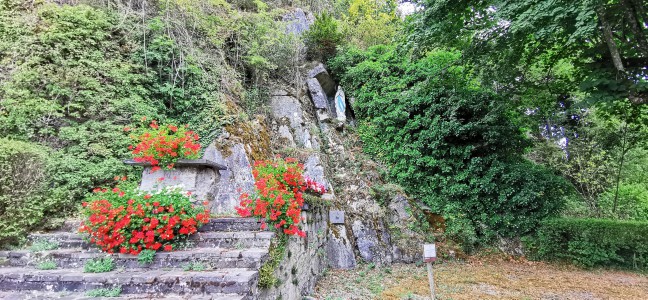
column 278, row 196
column 127, row 220
column 163, row 145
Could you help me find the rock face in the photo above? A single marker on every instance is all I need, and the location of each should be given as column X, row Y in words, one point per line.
column 339, row 250
column 328, row 84
column 298, row 21
column 317, row 93
column 238, row 177
column 287, row 111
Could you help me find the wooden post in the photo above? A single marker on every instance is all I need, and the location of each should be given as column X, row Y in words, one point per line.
column 429, row 254
column 431, row 278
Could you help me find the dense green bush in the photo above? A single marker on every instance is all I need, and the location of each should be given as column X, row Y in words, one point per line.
column 23, row 189
column 73, row 88
column 592, row 242
column 323, row 37
column 447, row 140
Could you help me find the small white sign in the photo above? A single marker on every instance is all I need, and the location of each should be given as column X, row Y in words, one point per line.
column 429, row 252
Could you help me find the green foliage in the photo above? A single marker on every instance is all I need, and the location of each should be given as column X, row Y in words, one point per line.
column 24, row 197
column 369, row 22
column 462, row 231
column 632, row 202
column 43, row 245
column 323, row 37
column 505, row 37
column 146, row 256
column 256, row 100
column 105, row 292
column 72, row 88
column 178, row 84
column 99, row 265
column 73, row 76
column 46, row 265
column 448, row 141
column 384, row 193
column 276, row 253
column 592, row 242
column 575, row 74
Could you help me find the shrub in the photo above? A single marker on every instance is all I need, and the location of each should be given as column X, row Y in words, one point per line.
column 127, row 220
column 592, row 242
column 72, row 88
column 323, row 37
column 24, row 198
column 448, row 141
column 164, row 144
column 278, row 196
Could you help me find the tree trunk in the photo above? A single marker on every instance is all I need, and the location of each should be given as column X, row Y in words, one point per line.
column 624, row 150
column 635, row 26
column 609, row 39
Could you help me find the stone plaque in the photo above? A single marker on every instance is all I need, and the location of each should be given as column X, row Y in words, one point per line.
column 340, row 105
column 336, row 217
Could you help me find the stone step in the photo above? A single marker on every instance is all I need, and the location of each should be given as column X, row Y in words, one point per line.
column 231, row 224
column 233, row 239
column 211, row 258
column 155, row 282
column 215, row 239
column 215, row 224
column 42, row 295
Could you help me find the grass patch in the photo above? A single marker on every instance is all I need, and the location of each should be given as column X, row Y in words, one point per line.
column 99, row 265
column 194, row 266
column 105, row 292
column 46, row 265
column 43, row 245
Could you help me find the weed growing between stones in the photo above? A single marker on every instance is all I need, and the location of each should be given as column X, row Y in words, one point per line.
column 276, row 252
column 105, row 292
column 194, row 266
column 99, row 265
column 43, row 245
column 146, row 256
column 46, row 265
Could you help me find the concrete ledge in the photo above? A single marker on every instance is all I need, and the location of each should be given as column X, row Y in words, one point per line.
column 183, row 163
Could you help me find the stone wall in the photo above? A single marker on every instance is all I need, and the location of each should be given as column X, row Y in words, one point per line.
column 304, row 259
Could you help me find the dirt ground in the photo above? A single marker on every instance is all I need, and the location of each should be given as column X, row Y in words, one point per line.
column 483, row 279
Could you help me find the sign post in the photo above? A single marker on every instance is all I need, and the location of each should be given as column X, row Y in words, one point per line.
column 429, row 254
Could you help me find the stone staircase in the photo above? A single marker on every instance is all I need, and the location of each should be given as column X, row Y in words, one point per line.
column 230, row 250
